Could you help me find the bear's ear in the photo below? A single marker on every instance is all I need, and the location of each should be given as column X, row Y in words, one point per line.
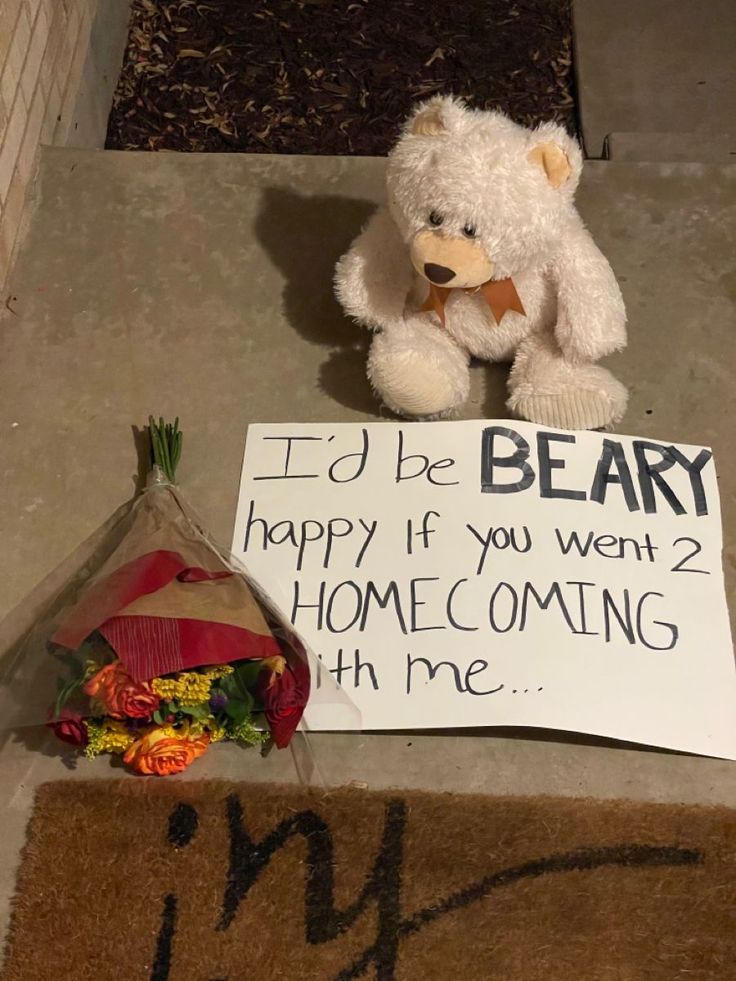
column 436, row 116
column 428, row 122
column 553, row 160
column 557, row 154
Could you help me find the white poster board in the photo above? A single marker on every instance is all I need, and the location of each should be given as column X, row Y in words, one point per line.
column 495, row 573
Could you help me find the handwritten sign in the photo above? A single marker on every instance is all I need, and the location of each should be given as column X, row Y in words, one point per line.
column 495, row 573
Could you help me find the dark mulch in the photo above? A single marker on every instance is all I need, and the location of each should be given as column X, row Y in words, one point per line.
column 331, row 76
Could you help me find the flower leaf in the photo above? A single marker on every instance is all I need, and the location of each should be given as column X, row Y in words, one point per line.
column 238, row 709
column 65, row 693
column 201, row 711
column 228, row 685
column 247, row 674
column 73, row 662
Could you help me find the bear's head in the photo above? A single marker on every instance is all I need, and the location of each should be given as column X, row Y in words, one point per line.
column 476, row 196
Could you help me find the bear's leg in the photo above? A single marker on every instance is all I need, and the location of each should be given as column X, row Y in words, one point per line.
column 418, row 370
column 548, row 389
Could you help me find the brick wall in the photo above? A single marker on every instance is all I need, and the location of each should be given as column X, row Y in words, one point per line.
column 43, row 45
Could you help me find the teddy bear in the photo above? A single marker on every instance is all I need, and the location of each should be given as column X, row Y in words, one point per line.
column 481, row 253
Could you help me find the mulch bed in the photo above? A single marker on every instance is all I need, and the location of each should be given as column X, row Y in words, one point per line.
column 194, row 881
column 331, row 76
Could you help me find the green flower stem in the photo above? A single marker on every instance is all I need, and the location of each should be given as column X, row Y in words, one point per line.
column 166, row 442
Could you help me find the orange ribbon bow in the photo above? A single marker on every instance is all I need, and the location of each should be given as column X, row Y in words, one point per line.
column 500, row 295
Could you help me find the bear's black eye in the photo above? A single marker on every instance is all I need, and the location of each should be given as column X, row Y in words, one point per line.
column 435, row 219
column 469, row 231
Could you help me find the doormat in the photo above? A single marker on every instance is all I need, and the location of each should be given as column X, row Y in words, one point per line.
column 331, row 76
column 216, row 881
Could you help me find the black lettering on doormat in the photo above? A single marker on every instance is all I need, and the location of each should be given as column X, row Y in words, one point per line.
column 324, row 922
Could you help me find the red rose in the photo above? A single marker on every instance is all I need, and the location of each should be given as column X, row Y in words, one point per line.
column 71, row 729
column 282, row 697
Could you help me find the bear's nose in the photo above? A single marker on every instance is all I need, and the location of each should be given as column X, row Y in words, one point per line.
column 438, row 274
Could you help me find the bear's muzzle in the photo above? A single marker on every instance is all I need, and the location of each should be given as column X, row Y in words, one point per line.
column 450, row 261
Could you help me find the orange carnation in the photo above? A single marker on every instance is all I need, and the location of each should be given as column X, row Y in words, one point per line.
column 120, row 695
column 164, row 751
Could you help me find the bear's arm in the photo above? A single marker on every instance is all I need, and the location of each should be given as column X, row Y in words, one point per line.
column 374, row 276
column 591, row 319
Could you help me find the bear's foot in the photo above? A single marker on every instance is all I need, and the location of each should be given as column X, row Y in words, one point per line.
column 547, row 388
column 411, row 387
column 418, row 372
column 568, row 410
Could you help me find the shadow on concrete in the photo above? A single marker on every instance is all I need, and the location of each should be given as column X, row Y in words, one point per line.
column 304, row 236
column 527, row 734
column 342, row 376
column 142, row 444
column 495, row 378
column 40, row 740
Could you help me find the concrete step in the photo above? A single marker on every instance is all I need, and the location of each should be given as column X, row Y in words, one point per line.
column 200, row 285
column 717, row 148
column 655, row 66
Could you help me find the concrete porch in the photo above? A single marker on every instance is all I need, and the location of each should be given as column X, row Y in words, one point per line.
column 190, row 285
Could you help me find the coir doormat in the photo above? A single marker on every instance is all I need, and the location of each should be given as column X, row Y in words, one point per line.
column 125, row 881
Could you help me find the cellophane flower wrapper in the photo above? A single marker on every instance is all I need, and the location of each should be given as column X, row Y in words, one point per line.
column 156, row 602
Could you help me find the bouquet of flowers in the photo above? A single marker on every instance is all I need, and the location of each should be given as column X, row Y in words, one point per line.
column 161, row 725
column 160, row 645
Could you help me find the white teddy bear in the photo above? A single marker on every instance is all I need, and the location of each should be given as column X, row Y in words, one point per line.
column 481, row 252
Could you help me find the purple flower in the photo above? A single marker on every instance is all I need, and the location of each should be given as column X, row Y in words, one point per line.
column 218, row 701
